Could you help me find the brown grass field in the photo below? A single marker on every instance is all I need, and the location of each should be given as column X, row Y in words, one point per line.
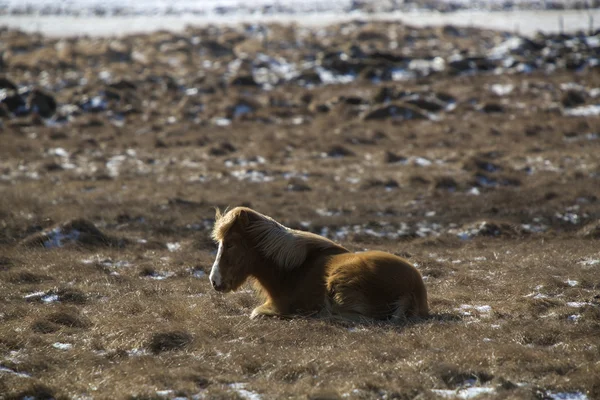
column 105, row 217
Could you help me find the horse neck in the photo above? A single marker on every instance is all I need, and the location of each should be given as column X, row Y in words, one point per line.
column 268, row 275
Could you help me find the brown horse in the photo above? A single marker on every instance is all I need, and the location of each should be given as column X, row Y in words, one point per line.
column 300, row 273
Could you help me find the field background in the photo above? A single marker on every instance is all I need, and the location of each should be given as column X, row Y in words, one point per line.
column 472, row 153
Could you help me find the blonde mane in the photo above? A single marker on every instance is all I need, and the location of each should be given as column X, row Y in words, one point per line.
column 287, row 248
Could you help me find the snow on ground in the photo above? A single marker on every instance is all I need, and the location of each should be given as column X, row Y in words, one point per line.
column 525, row 22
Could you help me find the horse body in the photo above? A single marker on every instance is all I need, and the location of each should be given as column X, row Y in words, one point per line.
column 300, row 273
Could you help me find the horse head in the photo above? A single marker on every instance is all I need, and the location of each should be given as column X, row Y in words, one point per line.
column 235, row 255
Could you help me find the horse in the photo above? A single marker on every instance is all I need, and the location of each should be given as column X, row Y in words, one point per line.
column 299, row 273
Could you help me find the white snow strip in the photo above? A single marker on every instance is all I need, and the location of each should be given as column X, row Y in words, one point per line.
column 577, row 304
column 466, row 393
column 11, row 372
column 584, row 111
column 567, row 396
column 62, row 346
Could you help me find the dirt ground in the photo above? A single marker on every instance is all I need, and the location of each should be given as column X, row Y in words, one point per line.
column 474, row 154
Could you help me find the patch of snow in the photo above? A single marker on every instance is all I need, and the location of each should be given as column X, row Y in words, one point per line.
column 34, row 295
column 330, row 78
column 198, row 273
column 159, row 276
column 11, row 372
column 241, row 109
column 465, row 393
column 173, row 246
column 572, row 283
column 574, row 317
column 584, row 111
column 164, row 393
column 243, row 393
column 62, row 346
column 252, row 176
column 589, row 262
column 221, row 121
column 56, row 237
column 59, row 151
column 577, row 304
column 566, row 396
column 113, row 165
column 137, row 352
column 485, row 309
column 50, row 298
column 502, row 89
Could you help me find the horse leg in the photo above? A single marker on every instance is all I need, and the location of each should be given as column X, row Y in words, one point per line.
column 265, row 310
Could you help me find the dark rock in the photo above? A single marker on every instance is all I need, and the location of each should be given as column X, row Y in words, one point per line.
column 446, row 183
column 590, row 231
column 428, row 104
column 222, row 149
column 387, row 184
column 42, row 103
column 7, row 84
column 76, row 232
column 395, row 111
column 384, row 95
column 491, row 108
column 573, row 98
column 217, row 49
column 308, row 77
column 14, row 103
column 297, row 185
column 394, row 158
column 352, row 100
column 339, row 151
column 123, row 85
column 244, row 80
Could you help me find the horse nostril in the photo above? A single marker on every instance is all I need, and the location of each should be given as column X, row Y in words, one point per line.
column 213, row 283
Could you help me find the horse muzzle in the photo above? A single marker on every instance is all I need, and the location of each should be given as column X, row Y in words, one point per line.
column 218, row 287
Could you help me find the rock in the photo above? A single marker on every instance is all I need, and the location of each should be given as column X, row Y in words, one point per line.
column 222, row 149
column 573, row 98
column 123, row 85
column 389, row 184
column 7, row 84
column 384, row 95
column 590, row 231
column 492, row 108
column 394, row 158
column 488, row 229
column 395, row 111
column 339, row 151
column 297, row 185
column 42, row 103
column 308, row 77
column 445, row 183
column 12, row 101
column 216, row 49
column 76, row 232
column 426, row 103
column 243, row 80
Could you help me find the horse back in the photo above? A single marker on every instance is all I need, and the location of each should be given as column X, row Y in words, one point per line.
column 377, row 285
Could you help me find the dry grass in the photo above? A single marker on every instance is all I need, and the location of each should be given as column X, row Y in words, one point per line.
column 128, row 313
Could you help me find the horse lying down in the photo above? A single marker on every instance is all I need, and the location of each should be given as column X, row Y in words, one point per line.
column 299, row 273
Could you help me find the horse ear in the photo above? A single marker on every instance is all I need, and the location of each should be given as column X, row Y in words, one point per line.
column 218, row 214
column 246, row 217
